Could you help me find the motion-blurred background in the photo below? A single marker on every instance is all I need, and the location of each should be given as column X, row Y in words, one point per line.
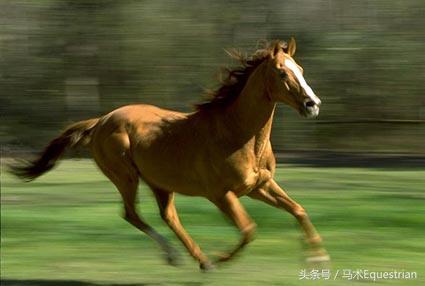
column 63, row 60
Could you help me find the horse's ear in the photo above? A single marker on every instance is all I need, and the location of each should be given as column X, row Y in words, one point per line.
column 277, row 47
column 292, row 46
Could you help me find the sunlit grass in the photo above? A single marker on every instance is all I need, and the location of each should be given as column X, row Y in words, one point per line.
column 66, row 226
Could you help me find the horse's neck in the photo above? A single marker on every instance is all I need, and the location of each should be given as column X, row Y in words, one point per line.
column 251, row 115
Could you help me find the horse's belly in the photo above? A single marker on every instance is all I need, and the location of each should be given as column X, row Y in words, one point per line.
column 179, row 180
column 167, row 168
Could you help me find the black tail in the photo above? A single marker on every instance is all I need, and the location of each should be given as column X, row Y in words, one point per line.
column 75, row 134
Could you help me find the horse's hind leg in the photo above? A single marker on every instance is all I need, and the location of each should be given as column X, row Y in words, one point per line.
column 169, row 215
column 230, row 205
column 125, row 177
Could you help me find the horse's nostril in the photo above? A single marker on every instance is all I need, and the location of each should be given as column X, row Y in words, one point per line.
column 310, row 104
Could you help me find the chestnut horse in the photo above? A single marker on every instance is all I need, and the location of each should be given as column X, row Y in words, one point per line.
column 222, row 151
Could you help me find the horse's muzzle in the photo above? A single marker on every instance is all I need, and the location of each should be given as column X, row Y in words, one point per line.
column 310, row 109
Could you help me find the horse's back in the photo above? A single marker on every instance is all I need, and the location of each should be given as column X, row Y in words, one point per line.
column 140, row 118
column 142, row 113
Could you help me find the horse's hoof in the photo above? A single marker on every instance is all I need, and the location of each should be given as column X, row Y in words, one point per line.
column 173, row 258
column 318, row 259
column 318, row 256
column 206, row 266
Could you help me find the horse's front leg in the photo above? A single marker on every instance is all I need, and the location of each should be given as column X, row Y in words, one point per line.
column 272, row 194
column 230, row 205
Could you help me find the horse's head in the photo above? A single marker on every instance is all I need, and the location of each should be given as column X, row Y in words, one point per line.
column 287, row 82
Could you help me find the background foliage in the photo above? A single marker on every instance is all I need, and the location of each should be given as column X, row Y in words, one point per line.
column 63, row 60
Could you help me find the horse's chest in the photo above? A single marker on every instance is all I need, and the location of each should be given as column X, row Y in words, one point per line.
column 248, row 181
column 243, row 174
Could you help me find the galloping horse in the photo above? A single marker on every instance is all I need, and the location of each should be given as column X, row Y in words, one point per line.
column 222, row 151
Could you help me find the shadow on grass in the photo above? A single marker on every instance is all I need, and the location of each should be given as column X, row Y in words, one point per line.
column 40, row 282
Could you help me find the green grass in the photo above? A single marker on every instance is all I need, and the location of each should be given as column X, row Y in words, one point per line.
column 66, row 227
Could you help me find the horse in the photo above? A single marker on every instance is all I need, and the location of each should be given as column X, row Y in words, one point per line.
column 221, row 151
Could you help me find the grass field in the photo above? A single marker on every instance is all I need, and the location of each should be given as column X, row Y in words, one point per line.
column 66, row 229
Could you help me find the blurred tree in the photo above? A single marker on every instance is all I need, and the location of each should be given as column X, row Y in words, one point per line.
column 62, row 61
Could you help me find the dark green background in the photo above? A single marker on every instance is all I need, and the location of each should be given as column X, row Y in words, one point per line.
column 62, row 61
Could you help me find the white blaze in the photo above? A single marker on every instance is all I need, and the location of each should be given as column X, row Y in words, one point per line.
column 293, row 67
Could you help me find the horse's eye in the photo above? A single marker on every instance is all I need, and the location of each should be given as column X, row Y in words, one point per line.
column 282, row 74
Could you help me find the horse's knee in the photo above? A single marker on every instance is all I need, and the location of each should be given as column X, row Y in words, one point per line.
column 167, row 216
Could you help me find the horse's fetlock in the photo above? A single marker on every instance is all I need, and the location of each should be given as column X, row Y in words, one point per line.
column 315, row 240
column 248, row 232
column 300, row 213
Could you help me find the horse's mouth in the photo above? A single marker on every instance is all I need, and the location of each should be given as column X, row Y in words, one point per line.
column 310, row 111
